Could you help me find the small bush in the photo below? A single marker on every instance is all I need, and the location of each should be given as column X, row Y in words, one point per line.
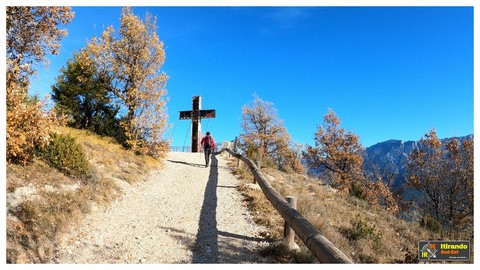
column 361, row 229
column 28, row 126
column 66, row 155
column 157, row 150
column 357, row 191
column 431, row 223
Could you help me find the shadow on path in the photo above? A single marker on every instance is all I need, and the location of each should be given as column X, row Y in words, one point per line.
column 186, row 163
column 205, row 249
column 243, row 237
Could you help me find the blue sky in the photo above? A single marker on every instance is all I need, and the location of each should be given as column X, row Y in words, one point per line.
column 387, row 72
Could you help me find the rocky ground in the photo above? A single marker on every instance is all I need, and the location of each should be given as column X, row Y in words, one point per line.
column 184, row 213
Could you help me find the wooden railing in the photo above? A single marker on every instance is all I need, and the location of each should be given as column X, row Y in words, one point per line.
column 177, row 148
column 320, row 246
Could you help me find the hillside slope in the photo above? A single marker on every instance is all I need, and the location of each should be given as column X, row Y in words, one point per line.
column 43, row 203
column 364, row 233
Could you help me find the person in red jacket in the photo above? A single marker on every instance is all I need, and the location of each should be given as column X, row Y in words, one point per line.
column 208, row 144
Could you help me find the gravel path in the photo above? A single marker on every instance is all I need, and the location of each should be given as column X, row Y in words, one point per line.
column 184, row 213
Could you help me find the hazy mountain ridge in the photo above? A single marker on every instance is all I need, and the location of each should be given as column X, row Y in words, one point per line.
column 391, row 156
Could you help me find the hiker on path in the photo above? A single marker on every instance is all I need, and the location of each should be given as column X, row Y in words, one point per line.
column 208, row 144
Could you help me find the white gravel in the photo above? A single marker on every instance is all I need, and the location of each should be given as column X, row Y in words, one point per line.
column 184, row 213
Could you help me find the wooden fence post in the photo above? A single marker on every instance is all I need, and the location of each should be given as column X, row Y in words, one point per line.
column 235, row 144
column 318, row 244
column 288, row 232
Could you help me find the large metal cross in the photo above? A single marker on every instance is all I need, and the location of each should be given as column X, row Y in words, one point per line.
column 196, row 114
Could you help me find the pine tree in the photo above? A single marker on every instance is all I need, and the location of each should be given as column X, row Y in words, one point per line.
column 79, row 93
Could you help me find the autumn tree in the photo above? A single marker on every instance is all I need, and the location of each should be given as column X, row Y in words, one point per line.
column 337, row 154
column 292, row 158
column 458, row 185
column 337, row 158
column 265, row 139
column 444, row 175
column 378, row 193
column 31, row 33
column 129, row 63
column 424, row 171
column 384, row 192
column 79, row 93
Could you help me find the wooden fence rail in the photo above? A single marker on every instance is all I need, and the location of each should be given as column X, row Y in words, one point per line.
column 320, row 246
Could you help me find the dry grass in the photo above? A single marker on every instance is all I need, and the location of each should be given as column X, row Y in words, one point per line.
column 365, row 234
column 57, row 202
column 110, row 158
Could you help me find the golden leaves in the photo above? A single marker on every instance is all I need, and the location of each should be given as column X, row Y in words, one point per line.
column 31, row 32
column 130, row 62
column 265, row 138
column 338, row 156
column 28, row 126
column 337, row 150
column 444, row 174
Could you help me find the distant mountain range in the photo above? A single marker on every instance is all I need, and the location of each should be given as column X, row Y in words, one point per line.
column 391, row 156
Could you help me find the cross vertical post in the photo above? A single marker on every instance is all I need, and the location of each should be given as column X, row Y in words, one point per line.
column 196, row 114
column 196, row 124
